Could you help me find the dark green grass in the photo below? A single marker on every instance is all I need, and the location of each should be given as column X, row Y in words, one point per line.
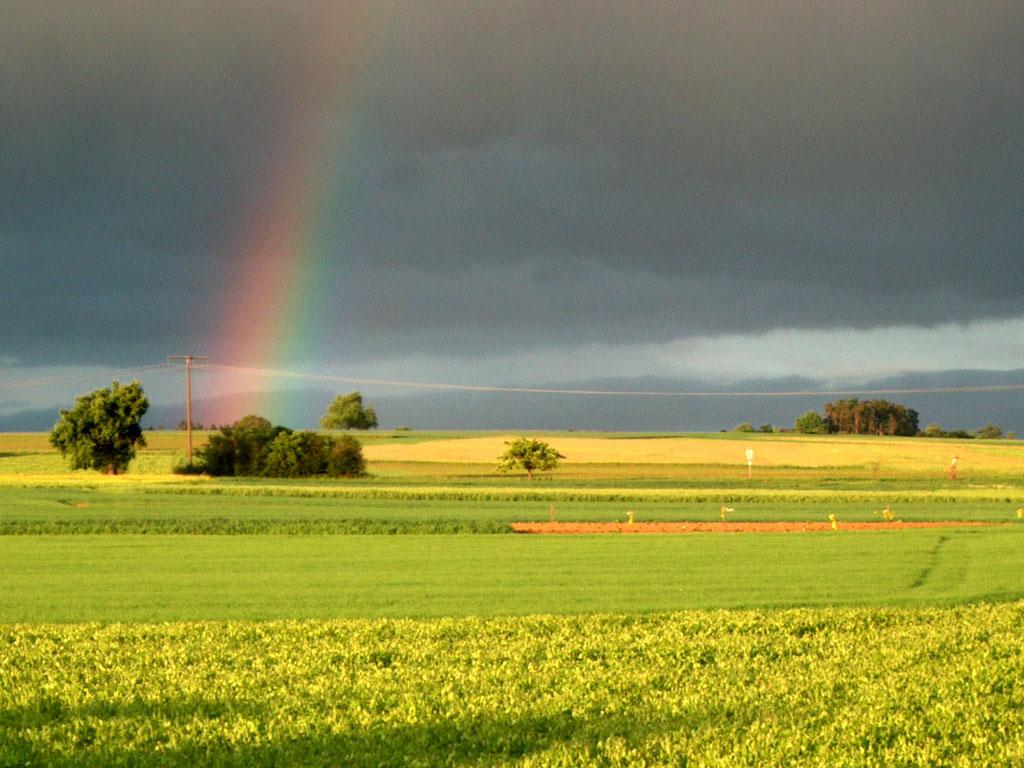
column 46, row 510
column 171, row 578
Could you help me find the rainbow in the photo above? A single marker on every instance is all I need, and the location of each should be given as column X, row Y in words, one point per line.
column 294, row 225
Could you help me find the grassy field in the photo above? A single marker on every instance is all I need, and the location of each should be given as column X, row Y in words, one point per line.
column 256, row 621
column 177, row 577
column 605, row 456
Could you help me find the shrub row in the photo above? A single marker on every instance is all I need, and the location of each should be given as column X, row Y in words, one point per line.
column 253, row 447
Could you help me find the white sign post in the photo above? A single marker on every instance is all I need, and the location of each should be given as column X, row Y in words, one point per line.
column 750, row 463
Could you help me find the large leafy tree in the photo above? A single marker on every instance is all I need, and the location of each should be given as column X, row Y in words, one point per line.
column 347, row 412
column 529, row 454
column 103, row 428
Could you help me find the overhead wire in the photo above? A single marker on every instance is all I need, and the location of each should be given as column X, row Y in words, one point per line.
column 440, row 386
column 238, row 370
column 68, row 378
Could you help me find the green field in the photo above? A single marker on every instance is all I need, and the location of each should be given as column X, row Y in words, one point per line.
column 187, row 578
column 723, row 688
column 158, row 619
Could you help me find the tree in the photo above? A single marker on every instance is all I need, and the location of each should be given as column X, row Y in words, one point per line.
column 103, row 429
column 529, row 454
column 811, row 423
column 746, row 426
column 347, row 412
column 990, row 432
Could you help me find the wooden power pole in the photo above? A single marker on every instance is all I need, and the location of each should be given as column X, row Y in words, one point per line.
column 189, row 361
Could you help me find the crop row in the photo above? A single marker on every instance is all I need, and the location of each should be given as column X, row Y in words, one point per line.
column 347, row 490
column 82, row 525
column 799, row 687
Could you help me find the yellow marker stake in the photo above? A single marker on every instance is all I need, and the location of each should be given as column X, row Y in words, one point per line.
column 832, row 519
column 629, row 516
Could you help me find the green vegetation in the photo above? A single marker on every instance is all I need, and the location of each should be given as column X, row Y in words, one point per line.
column 811, row 423
column 530, row 454
column 103, row 428
column 871, row 417
column 172, row 578
column 312, row 638
column 801, row 687
column 252, row 447
column 282, row 508
column 347, row 412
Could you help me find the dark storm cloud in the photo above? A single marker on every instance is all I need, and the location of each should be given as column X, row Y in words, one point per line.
column 529, row 173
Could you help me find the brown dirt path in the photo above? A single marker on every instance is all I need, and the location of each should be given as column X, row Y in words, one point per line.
column 726, row 527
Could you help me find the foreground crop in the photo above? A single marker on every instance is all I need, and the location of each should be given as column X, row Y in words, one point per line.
column 802, row 687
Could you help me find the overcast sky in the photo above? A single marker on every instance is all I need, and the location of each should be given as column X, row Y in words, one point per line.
column 528, row 190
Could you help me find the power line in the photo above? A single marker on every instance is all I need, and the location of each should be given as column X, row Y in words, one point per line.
column 331, row 378
column 81, row 376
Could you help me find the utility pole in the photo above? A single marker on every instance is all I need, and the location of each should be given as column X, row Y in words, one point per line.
column 190, row 361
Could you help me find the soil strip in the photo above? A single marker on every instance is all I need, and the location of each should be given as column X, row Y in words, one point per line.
column 727, row 527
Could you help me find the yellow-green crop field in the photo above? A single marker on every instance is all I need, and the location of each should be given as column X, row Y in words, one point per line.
column 161, row 619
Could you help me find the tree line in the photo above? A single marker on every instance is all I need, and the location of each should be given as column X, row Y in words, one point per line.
column 881, row 417
column 103, row 430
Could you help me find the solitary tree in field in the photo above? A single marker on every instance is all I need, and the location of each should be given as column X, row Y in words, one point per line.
column 529, row 454
column 103, row 429
column 347, row 412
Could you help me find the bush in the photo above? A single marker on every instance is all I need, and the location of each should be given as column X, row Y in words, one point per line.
column 811, row 423
column 744, row 427
column 934, row 430
column 239, row 449
column 296, row 454
column 345, row 458
column 252, row 447
column 990, row 432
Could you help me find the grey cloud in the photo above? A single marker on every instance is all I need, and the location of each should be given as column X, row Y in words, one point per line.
column 528, row 173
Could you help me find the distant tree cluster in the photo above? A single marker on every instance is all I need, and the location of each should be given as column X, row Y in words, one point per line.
column 989, row 432
column 182, row 425
column 870, row 417
column 746, row 426
column 881, row 417
column 253, row 447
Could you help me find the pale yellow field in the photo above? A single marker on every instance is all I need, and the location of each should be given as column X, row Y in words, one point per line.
column 903, row 454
